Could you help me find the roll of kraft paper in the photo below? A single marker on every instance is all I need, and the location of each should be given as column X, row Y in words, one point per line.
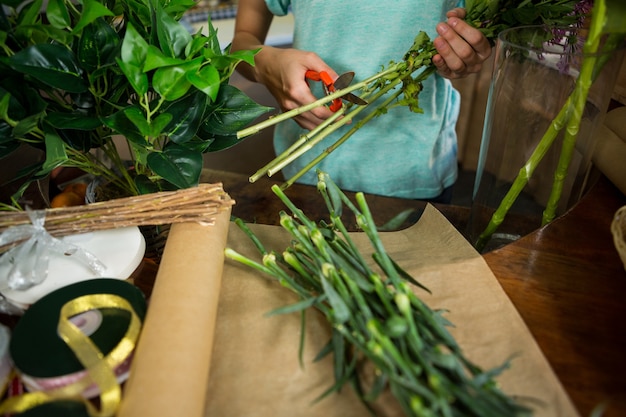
column 170, row 370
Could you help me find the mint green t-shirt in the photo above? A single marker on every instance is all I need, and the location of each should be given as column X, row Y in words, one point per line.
column 401, row 153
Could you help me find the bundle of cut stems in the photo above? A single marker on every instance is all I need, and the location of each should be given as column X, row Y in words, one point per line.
column 375, row 314
column 381, row 90
column 196, row 204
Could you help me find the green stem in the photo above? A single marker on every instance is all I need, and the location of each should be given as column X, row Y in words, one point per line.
column 581, row 91
column 320, row 102
column 294, row 150
column 349, row 133
column 565, row 158
column 524, row 174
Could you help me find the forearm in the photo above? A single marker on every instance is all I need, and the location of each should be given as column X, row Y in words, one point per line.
column 251, row 27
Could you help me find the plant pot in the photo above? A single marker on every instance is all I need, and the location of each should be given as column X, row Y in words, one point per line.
column 530, row 85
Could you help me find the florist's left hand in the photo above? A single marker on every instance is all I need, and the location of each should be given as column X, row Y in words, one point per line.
column 461, row 48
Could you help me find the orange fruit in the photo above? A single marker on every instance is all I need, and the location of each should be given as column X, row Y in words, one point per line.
column 73, row 194
column 79, row 188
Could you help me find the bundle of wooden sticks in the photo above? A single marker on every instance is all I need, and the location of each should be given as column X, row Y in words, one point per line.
column 197, row 204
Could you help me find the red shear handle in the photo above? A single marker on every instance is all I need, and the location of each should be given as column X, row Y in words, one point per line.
column 329, row 86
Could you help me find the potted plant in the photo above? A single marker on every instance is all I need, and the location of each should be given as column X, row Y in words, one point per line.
column 74, row 75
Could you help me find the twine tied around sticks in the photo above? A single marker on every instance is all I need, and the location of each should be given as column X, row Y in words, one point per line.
column 196, row 204
column 27, row 262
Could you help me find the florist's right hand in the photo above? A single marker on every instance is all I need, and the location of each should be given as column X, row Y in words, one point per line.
column 282, row 72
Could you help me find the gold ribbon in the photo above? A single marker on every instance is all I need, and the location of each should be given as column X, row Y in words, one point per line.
column 100, row 369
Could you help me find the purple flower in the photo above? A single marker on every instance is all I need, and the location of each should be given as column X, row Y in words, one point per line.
column 573, row 41
column 583, row 7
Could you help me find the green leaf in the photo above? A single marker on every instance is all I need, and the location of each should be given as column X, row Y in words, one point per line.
column 294, row 308
column 5, row 99
column 31, row 174
column 121, row 124
column 156, row 59
column 135, row 76
column 187, row 117
column 199, row 145
column 81, row 140
column 158, row 124
column 198, row 43
column 27, row 125
column 7, row 142
column 171, row 82
column 213, row 41
column 173, row 36
column 55, row 152
column 134, row 48
column 91, row 11
column 23, row 100
column 140, row 11
column 78, row 121
column 244, row 55
column 144, row 185
column 31, row 14
column 140, row 151
column 136, row 116
column 50, row 34
column 177, row 165
column 98, row 45
column 340, row 309
column 57, row 14
column 178, row 7
column 222, row 142
column 52, row 64
column 206, row 80
column 233, row 112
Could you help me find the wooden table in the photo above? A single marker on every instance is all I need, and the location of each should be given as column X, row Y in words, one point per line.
column 566, row 280
column 569, row 285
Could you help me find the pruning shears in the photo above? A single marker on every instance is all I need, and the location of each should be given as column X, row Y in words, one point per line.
column 331, row 86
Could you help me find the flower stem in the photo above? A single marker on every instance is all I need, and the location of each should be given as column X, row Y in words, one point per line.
column 524, row 174
column 581, row 91
column 295, row 150
column 349, row 133
column 320, row 102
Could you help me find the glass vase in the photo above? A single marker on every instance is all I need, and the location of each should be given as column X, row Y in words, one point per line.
column 533, row 78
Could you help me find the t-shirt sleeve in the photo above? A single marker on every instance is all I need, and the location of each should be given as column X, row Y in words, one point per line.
column 278, row 7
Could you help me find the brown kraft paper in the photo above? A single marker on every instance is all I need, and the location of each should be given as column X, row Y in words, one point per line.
column 170, row 367
column 255, row 371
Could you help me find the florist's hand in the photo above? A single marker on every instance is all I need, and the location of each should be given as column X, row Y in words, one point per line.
column 282, row 72
column 461, row 48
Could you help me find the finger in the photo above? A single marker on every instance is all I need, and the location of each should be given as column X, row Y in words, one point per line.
column 450, row 57
column 459, row 12
column 471, row 36
column 309, row 119
column 444, row 70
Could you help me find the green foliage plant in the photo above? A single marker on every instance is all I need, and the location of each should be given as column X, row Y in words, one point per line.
column 75, row 76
